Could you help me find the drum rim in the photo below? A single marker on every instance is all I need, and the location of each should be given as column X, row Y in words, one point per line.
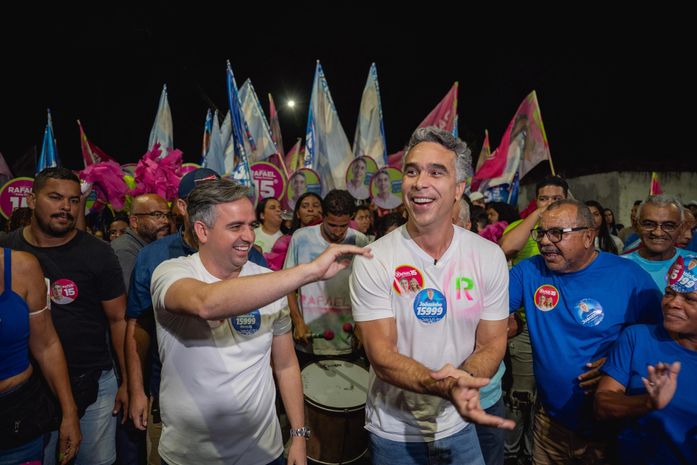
column 327, row 408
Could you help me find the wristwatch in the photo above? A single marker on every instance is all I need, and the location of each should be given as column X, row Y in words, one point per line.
column 303, row 432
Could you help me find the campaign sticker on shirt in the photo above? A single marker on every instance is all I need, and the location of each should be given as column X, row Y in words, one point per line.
column 63, row 291
column 681, row 277
column 248, row 323
column 430, row 305
column 408, row 281
column 546, row 297
column 589, row 312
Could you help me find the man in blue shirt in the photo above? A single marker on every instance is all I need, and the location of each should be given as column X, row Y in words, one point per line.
column 641, row 384
column 659, row 221
column 577, row 300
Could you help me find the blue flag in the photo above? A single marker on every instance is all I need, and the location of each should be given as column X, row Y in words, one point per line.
column 49, row 150
column 327, row 149
column 240, row 133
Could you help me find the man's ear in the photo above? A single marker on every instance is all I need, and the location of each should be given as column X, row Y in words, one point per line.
column 201, row 231
column 459, row 190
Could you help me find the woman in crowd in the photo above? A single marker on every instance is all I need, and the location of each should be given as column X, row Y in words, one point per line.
column 27, row 410
column 603, row 239
column 307, row 212
column 269, row 229
column 499, row 215
column 610, row 221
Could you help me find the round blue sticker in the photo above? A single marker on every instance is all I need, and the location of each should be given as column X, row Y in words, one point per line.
column 248, row 323
column 589, row 312
column 430, row 305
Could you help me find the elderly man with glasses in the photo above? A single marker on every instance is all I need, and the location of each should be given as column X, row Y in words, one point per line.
column 577, row 300
column 659, row 221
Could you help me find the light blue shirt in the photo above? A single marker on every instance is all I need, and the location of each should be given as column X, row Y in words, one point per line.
column 658, row 269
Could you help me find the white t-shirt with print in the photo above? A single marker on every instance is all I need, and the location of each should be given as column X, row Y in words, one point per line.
column 437, row 308
column 217, row 394
column 325, row 305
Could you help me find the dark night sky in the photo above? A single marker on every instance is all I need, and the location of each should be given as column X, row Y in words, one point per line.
column 610, row 100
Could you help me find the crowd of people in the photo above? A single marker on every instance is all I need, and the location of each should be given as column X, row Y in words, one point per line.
column 176, row 334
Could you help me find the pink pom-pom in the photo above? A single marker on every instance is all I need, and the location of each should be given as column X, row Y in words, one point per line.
column 157, row 174
column 107, row 178
column 328, row 334
column 347, row 327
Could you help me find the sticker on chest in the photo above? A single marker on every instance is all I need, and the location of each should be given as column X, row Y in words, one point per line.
column 430, row 306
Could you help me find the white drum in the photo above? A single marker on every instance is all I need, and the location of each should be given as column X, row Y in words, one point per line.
column 335, row 395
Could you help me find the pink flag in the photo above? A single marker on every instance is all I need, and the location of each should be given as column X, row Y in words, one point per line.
column 655, row 188
column 443, row 116
column 277, row 161
column 91, row 153
column 485, row 154
column 293, row 158
column 523, row 146
column 275, row 128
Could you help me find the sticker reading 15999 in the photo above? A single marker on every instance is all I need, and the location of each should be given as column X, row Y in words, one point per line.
column 248, row 323
column 430, row 306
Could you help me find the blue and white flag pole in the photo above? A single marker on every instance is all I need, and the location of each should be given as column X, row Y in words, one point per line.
column 49, row 150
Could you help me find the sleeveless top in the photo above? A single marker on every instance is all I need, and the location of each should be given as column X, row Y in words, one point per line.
column 14, row 327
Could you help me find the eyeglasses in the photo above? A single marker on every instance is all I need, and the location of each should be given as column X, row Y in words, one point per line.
column 649, row 225
column 155, row 215
column 553, row 234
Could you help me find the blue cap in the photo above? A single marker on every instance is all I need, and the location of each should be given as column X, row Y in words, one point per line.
column 193, row 179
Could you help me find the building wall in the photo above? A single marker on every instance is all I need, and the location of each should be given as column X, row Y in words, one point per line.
column 618, row 190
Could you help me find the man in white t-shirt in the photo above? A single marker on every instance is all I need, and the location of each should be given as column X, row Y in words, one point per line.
column 420, row 406
column 223, row 334
column 324, row 305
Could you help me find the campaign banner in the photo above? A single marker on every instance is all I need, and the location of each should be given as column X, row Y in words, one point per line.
column 386, row 188
column 301, row 181
column 358, row 176
column 268, row 180
column 14, row 195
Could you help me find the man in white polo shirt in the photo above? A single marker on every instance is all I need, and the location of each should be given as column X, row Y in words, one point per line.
column 420, row 407
column 223, row 333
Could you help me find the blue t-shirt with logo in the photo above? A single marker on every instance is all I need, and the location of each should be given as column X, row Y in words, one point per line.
column 573, row 319
column 658, row 269
column 663, row 436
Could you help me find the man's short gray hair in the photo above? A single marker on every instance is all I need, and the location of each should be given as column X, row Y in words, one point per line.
column 662, row 200
column 584, row 217
column 463, row 155
column 205, row 196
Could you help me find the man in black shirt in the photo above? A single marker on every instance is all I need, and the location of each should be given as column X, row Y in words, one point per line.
column 87, row 298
